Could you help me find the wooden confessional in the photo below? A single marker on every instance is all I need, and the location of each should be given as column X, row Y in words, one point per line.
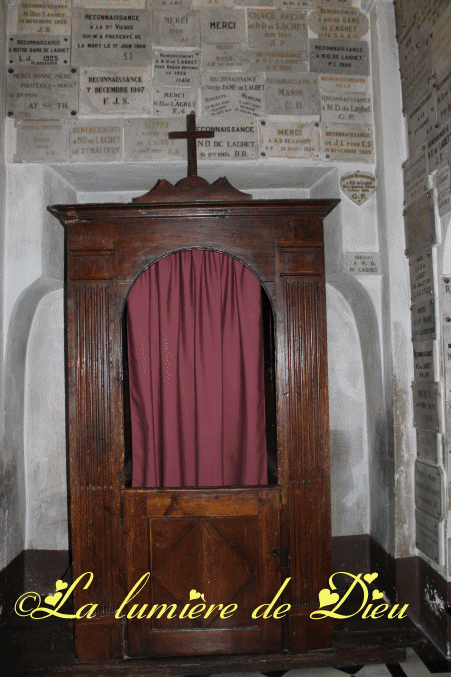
column 231, row 544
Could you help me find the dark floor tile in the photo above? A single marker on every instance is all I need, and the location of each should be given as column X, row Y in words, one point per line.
column 395, row 670
column 433, row 659
column 351, row 670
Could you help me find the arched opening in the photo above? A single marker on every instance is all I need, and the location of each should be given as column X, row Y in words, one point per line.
column 165, row 284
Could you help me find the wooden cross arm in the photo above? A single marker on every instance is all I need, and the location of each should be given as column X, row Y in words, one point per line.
column 198, row 135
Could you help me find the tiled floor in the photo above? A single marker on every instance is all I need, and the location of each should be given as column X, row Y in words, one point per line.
column 420, row 663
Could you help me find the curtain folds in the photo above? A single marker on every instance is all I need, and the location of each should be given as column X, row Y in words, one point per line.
column 195, row 352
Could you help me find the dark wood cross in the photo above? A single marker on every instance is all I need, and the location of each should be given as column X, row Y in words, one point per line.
column 191, row 135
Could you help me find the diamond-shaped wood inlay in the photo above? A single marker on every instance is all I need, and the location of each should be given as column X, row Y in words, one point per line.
column 203, row 562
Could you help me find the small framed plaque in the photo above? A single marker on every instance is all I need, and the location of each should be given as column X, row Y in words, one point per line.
column 223, row 25
column 421, row 276
column 44, row 17
column 96, row 141
column 236, row 140
column 177, row 28
column 176, row 69
column 39, row 50
column 421, row 120
column 419, row 225
column 111, row 37
column 428, row 489
column 356, row 108
column 350, row 57
column 362, row 263
column 277, row 29
column 168, row 101
column 427, row 535
column 147, row 139
column 292, row 95
column 288, row 140
column 351, row 143
column 429, row 446
column 415, row 177
column 426, row 405
column 339, row 23
column 42, row 93
column 42, row 141
column 114, row 91
column 423, row 321
column 425, row 361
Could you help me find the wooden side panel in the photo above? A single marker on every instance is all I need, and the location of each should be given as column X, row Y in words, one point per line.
column 222, row 543
column 303, row 439
column 94, row 485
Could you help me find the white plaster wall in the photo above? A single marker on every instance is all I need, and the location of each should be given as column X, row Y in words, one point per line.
column 44, row 435
column 392, row 458
column 348, row 411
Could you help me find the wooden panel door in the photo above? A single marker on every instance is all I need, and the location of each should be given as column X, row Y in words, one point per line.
column 221, row 543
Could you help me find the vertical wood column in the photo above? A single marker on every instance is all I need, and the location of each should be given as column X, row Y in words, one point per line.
column 303, row 435
column 95, row 472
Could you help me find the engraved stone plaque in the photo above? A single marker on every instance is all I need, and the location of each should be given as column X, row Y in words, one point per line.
column 421, row 120
column 428, row 489
column 46, row 141
column 279, row 61
column 117, row 90
column 351, row 143
column 410, row 45
column 334, row 3
column 443, row 93
column 423, row 321
column 96, row 141
column 334, row 82
column 278, row 29
column 176, row 69
column 427, row 535
column 42, row 93
column 419, row 224
column 358, row 186
column 148, row 139
column 296, row 4
column 236, row 140
column 447, row 366
column 233, row 94
column 169, row 4
column 225, row 57
column 425, row 361
column 110, row 4
column 292, row 95
column 445, row 298
column 429, row 13
column 415, row 177
column 439, row 146
column 421, row 276
column 104, row 37
column 212, row 4
column 223, row 25
column 170, row 101
column 416, row 78
column 39, row 50
column 346, row 107
column 443, row 177
column 426, row 405
column 362, row 263
column 339, row 23
column 429, row 445
column 339, row 56
column 178, row 28
column 444, row 202
column 288, row 139
column 441, row 44
column 48, row 17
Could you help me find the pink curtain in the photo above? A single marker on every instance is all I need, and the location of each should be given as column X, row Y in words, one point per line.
column 196, row 373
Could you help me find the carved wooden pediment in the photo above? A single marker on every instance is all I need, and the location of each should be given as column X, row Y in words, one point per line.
column 194, row 189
